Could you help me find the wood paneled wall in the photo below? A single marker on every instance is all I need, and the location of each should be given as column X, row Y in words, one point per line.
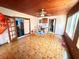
column 71, row 44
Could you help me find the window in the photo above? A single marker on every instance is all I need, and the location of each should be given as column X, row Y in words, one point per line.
column 78, row 43
column 71, row 25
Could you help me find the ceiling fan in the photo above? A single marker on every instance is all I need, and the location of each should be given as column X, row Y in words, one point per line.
column 43, row 13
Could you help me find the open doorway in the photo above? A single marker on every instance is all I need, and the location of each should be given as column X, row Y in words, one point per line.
column 20, row 27
column 52, row 25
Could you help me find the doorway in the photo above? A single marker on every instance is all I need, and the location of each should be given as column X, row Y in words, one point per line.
column 52, row 25
column 20, row 27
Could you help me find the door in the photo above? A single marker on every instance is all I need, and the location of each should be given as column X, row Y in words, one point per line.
column 27, row 26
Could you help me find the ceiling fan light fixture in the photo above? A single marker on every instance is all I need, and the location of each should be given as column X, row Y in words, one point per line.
column 42, row 13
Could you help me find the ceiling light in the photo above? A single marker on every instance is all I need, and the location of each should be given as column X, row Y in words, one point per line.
column 42, row 13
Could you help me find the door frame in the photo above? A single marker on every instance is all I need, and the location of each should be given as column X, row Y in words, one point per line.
column 29, row 26
column 54, row 25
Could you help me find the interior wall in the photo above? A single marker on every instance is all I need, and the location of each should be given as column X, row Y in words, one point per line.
column 60, row 23
column 4, row 37
column 10, row 12
column 13, row 13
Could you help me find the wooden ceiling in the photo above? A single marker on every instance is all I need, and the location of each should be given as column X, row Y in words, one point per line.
column 33, row 7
